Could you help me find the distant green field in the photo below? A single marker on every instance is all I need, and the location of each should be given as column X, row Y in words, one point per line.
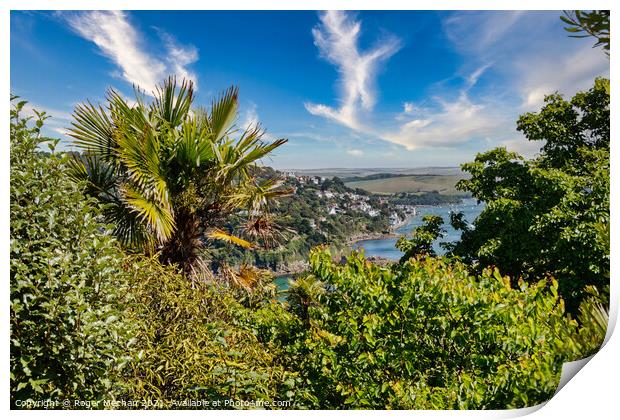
column 444, row 184
column 352, row 172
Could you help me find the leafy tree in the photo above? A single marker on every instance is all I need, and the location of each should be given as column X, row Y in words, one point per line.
column 567, row 127
column 169, row 174
column 547, row 216
column 426, row 334
column 69, row 336
column 594, row 23
column 421, row 242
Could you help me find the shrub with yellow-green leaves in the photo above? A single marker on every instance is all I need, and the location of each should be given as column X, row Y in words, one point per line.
column 426, row 334
column 197, row 342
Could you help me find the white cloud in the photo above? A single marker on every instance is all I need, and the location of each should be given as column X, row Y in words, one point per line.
column 472, row 79
column 418, row 123
column 523, row 56
column 355, row 152
column 250, row 117
column 337, row 38
column 449, row 124
column 532, row 64
column 410, row 110
column 529, row 50
column 566, row 74
column 179, row 57
column 473, row 32
column 119, row 41
column 315, row 136
column 62, row 131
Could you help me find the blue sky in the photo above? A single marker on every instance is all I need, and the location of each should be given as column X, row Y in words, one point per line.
column 348, row 89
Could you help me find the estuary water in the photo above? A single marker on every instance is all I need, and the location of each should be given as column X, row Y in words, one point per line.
column 386, row 247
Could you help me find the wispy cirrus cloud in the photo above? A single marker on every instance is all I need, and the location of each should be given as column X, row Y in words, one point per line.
column 337, row 38
column 526, row 53
column 179, row 57
column 447, row 122
column 118, row 40
column 532, row 62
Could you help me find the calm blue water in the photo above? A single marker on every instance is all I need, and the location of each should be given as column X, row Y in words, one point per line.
column 281, row 283
column 386, row 248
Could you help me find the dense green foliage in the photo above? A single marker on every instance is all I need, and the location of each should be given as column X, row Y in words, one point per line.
column 548, row 215
column 198, row 342
column 428, row 335
column 90, row 323
column 68, row 336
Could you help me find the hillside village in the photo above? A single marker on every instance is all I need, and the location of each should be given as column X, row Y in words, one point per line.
column 320, row 211
column 336, row 198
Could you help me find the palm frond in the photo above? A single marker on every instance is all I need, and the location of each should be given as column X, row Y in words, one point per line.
column 93, row 131
column 98, row 178
column 125, row 116
column 223, row 113
column 223, row 236
column 194, row 147
column 172, row 104
column 256, row 153
column 129, row 228
column 247, row 277
column 157, row 215
column 141, row 158
column 257, row 197
column 263, row 227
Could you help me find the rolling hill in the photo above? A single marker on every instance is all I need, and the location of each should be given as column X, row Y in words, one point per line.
column 444, row 184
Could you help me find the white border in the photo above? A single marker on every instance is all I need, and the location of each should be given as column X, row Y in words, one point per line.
column 593, row 394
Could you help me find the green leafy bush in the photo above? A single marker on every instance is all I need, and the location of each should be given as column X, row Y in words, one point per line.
column 68, row 336
column 426, row 334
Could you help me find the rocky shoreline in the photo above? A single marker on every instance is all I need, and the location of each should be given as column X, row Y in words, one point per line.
column 292, row 268
column 381, row 235
column 370, row 236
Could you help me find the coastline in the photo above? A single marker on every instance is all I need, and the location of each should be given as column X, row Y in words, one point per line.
column 380, row 235
column 369, row 237
column 300, row 266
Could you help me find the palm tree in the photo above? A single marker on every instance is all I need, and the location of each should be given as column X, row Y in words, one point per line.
column 169, row 175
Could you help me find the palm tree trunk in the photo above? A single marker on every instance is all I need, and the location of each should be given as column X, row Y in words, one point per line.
column 184, row 245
